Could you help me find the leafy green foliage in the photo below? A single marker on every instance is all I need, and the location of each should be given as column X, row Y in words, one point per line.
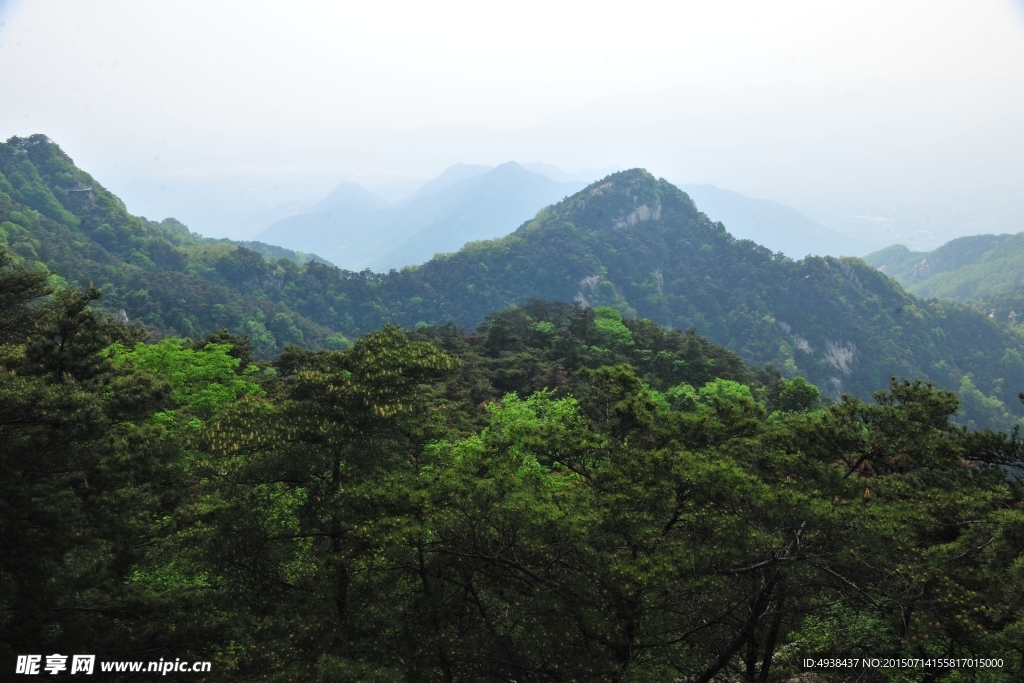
column 608, row 322
column 20, row 288
column 80, row 474
column 545, row 346
column 797, row 395
column 203, row 380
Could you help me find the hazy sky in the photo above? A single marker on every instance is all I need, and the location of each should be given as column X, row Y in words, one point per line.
column 902, row 111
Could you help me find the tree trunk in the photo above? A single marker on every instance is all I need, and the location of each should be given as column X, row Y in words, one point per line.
column 773, row 636
column 761, row 602
column 342, row 579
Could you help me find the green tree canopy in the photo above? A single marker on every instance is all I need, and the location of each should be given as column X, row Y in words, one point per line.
column 204, row 380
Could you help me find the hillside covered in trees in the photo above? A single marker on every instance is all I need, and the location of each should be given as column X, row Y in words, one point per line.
column 564, row 494
column 965, row 269
column 631, row 242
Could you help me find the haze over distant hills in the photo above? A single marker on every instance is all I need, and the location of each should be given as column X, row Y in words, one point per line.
column 776, row 226
column 356, row 229
column 585, row 176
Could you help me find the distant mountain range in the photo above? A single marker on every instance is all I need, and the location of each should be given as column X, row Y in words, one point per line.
column 770, row 224
column 964, row 269
column 356, row 229
column 629, row 241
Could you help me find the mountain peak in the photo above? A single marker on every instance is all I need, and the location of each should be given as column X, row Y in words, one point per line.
column 634, row 184
column 621, row 200
column 453, row 175
column 351, row 195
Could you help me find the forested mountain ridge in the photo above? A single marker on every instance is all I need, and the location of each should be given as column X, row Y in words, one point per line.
column 630, row 241
column 964, row 269
column 640, row 245
column 174, row 282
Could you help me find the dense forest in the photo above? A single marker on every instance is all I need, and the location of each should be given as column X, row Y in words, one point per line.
column 563, row 494
column 631, row 242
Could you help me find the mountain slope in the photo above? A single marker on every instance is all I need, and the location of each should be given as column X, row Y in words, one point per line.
column 270, row 252
column 962, row 269
column 453, row 175
column 630, row 241
column 168, row 279
column 776, row 226
column 641, row 245
column 464, row 203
